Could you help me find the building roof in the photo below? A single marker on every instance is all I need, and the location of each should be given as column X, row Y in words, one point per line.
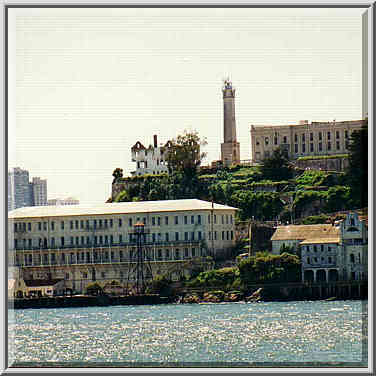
column 41, row 282
column 115, row 208
column 322, row 233
column 349, row 122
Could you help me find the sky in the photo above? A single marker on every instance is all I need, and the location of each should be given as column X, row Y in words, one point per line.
column 86, row 84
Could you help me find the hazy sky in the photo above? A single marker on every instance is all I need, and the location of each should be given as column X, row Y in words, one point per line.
column 87, row 84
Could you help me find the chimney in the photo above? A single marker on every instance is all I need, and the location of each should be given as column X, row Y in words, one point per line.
column 155, row 141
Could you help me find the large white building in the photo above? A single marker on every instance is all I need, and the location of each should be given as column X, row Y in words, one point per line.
column 329, row 252
column 303, row 139
column 81, row 244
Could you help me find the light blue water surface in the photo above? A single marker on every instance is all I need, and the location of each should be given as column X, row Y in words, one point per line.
column 230, row 332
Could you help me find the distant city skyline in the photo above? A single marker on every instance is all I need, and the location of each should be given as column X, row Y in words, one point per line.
column 86, row 84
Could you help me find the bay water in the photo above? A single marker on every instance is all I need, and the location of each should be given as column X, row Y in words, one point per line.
column 232, row 334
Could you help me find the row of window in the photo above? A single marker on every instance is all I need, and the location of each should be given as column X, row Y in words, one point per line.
column 315, row 248
column 303, row 137
column 320, row 148
column 109, row 223
column 109, row 239
column 105, row 257
column 315, row 260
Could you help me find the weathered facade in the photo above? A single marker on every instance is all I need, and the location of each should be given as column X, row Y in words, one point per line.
column 303, row 139
column 151, row 160
column 329, row 252
column 81, row 244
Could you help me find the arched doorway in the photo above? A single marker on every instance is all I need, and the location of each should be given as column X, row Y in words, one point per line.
column 333, row 275
column 321, row 275
column 308, row 275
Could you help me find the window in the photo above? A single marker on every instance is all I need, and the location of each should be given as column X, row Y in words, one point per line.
column 62, row 241
column 39, row 226
column 322, row 247
column 185, row 252
column 30, row 243
column 176, row 236
column 120, row 238
column 82, row 224
column 176, row 220
column 223, row 235
column 223, row 219
column 111, row 223
column 153, row 237
column 88, row 240
column 257, row 142
column 303, row 137
column 192, row 219
column 215, row 235
column 337, row 134
column 199, row 235
column 296, row 148
column 311, row 136
column 320, row 146
column 82, row 240
column 308, row 260
column 284, row 139
column 227, row 235
column 346, row 134
column 328, row 135
column 100, row 239
column 215, row 218
column 159, row 221
column 209, row 235
column 192, row 235
column 45, row 226
column 53, row 226
column 71, row 225
column 153, row 221
column 232, row 235
column 352, row 258
column 120, row 222
column 193, row 252
column 329, row 146
column 159, row 253
column 329, row 260
column 166, row 221
column 87, row 224
column 337, row 145
column 186, row 236
column 185, row 220
column 295, row 137
column 77, row 240
column 100, row 223
column 311, row 148
column 231, row 218
column 106, row 239
column 266, row 140
column 315, row 248
column 320, row 136
column 167, row 254
column 303, row 148
column 199, row 219
column 71, row 240
column 167, row 237
column 275, row 140
column 177, row 254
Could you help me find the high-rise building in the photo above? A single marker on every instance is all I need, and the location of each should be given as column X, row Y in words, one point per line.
column 19, row 189
column 39, row 191
column 230, row 148
column 22, row 192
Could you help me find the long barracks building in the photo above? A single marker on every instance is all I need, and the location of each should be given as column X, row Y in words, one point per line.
column 84, row 244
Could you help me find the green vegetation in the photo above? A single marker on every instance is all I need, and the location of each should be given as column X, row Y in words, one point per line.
column 94, row 289
column 265, row 192
column 262, row 268
column 312, row 157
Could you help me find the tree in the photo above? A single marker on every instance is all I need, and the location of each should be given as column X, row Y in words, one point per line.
column 357, row 172
column 277, row 167
column 184, row 153
column 117, row 174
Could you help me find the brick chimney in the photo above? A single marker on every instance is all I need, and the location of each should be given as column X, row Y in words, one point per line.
column 155, row 141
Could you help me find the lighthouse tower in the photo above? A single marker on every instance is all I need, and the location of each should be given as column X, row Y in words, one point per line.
column 230, row 148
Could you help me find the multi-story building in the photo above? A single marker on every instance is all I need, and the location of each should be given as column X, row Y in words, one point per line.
column 63, row 201
column 82, row 244
column 151, row 160
column 329, row 252
column 20, row 192
column 303, row 139
column 39, row 191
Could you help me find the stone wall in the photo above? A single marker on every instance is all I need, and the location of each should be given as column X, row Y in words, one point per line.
column 330, row 164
